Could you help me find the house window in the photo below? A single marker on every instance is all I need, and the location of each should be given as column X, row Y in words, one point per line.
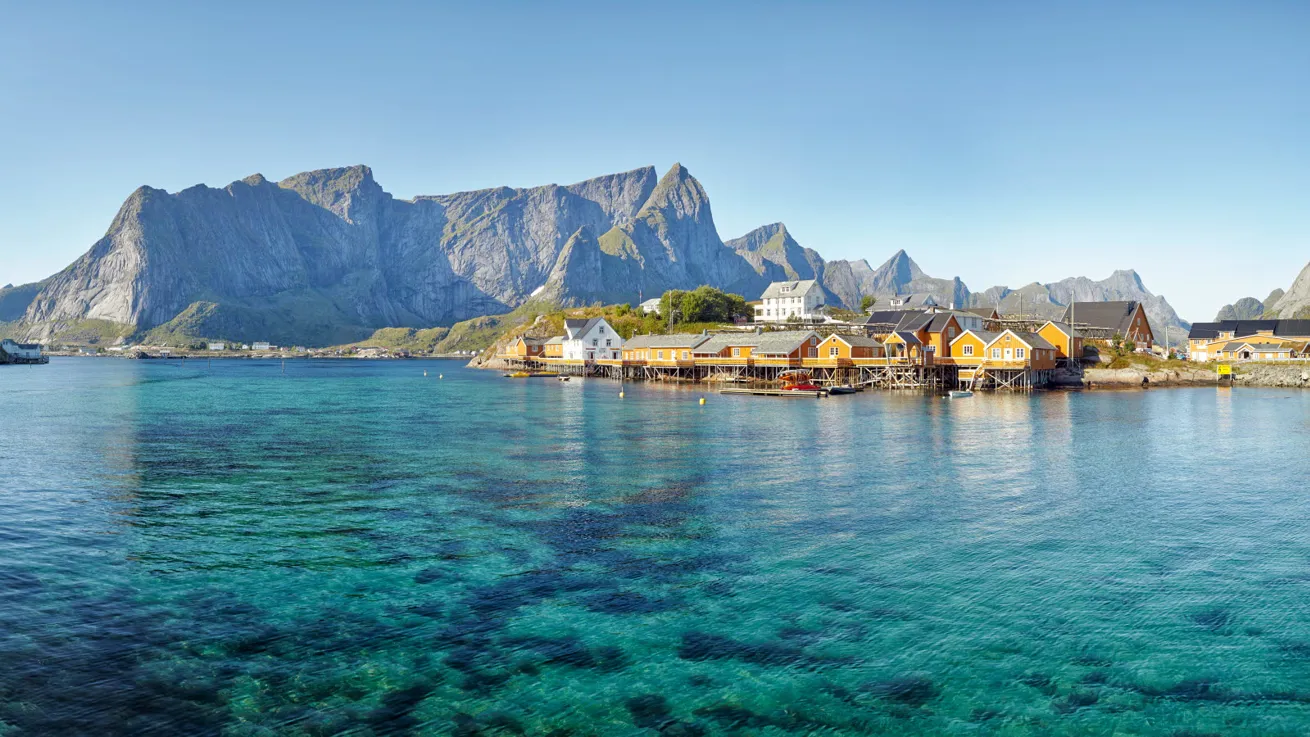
column 736, row 352
column 660, row 355
column 684, row 355
column 833, row 352
column 814, row 341
column 607, row 342
column 950, row 332
column 931, row 348
column 594, row 342
column 968, row 350
column 602, row 329
column 1018, row 353
column 996, row 353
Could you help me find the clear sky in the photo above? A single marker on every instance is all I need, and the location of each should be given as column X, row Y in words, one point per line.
column 1001, row 142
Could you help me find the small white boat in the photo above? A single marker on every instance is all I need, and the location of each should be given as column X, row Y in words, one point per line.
column 961, row 394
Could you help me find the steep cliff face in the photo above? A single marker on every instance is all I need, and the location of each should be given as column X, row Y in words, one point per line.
column 775, row 255
column 1295, row 303
column 328, row 256
column 331, row 242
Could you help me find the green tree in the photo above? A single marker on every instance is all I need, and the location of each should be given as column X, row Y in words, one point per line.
column 867, row 302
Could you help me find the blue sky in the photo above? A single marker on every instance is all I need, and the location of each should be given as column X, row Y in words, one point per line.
column 1001, row 142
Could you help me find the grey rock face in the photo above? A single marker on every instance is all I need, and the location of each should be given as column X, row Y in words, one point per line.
column 326, row 255
column 334, row 243
column 1049, row 300
column 1296, row 301
column 1246, row 308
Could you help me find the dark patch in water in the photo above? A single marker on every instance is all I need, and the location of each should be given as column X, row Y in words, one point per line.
column 1074, row 701
column 706, row 646
column 429, row 575
column 911, row 689
column 395, row 714
column 1215, row 619
column 1096, row 677
column 571, row 651
column 1040, row 681
column 625, row 602
column 649, row 711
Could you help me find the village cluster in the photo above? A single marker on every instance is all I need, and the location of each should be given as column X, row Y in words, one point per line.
column 913, row 343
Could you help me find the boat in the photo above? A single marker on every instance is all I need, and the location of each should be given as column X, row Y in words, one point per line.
column 799, row 381
column 531, row 374
column 961, row 394
column 563, row 378
column 842, row 389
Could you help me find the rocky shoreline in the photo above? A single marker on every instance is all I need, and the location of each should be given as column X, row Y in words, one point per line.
column 1263, row 375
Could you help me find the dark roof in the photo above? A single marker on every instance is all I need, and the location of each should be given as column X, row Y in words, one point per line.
column 939, row 321
column 915, row 321
column 1104, row 315
column 909, row 337
column 889, row 317
column 983, row 311
column 1246, row 328
column 1293, row 328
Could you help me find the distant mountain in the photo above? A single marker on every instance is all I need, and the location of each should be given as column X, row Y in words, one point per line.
column 1049, row 300
column 1246, row 308
column 327, row 256
column 14, row 300
column 1295, row 303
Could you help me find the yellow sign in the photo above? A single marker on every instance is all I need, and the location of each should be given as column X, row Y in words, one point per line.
column 1225, row 370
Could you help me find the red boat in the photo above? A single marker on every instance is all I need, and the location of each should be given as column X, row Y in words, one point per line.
column 798, row 381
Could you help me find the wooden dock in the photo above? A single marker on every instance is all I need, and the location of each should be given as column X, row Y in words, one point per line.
column 776, row 393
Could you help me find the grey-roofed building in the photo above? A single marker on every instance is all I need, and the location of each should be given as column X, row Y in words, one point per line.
column 785, row 300
column 590, row 340
column 676, row 347
column 765, row 344
column 1127, row 319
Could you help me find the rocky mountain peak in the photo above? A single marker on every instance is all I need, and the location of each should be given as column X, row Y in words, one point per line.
column 678, row 192
column 339, row 190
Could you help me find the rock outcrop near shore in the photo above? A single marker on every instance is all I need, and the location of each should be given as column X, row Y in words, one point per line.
column 1291, row 376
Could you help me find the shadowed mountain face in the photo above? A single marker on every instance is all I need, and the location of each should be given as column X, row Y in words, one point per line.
column 328, row 256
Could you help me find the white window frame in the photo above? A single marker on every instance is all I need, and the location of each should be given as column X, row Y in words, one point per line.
column 833, row 351
column 996, row 353
column 968, row 350
column 1018, row 353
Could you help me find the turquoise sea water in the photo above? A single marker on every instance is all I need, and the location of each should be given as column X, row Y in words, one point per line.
column 354, row 547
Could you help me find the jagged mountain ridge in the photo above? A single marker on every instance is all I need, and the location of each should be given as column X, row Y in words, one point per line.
column 327, row 256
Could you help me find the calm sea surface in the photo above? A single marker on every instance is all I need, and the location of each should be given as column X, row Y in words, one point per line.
column 355, row 547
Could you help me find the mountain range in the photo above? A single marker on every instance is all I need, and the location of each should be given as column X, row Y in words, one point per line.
column 327, row 256
column 1293, row 303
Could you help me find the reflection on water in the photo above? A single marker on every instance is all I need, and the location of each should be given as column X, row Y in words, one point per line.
column 228, row 549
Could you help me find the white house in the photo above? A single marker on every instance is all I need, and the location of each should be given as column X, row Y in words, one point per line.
column 21, row 351
column 260, row 345
column 589, row 340
column 791, row 299
column 651, row 305
column 218, row 346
